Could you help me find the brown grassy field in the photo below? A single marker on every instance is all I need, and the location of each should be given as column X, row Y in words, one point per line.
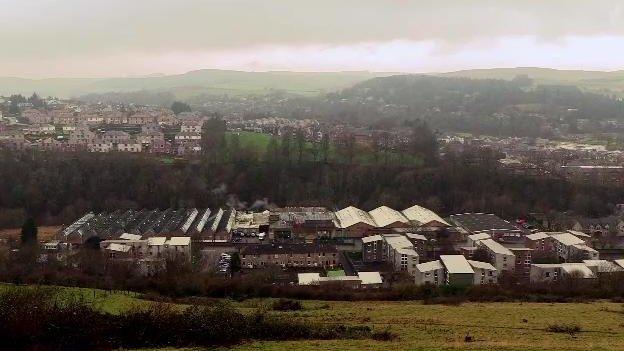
column 492, row 326
column 44, row 234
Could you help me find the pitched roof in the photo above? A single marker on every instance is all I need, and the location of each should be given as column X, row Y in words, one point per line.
column 603, row 265
column 128, row 236
column 422, row 215
column 369, row 239
column 308, row 278
column 537, row 236
column 179, row 241
column 385, row 215
column 156, row 241
column 567, row 239
column 416, row 236
column 370, row 278
column 482, row 265
column 118, row 247
column 456, row 264
column 350, row 216
column 480, row 236
column 496, row 247
column 429, row 266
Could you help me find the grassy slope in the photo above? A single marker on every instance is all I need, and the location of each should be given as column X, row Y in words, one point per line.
column 259, row 142
column 494, row 326
column 597, row 81
column 193, row 83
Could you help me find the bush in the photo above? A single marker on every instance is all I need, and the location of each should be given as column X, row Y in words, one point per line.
column 32, row 318
column 385, row 335
column 287, row 305
column 564, row 328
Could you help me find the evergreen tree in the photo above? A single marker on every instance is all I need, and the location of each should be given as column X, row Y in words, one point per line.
column 178, row 107
column 29, row 232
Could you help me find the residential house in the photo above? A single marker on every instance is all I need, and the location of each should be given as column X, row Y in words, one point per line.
column 130, row 146
column 289, row 255
column 501, row 257
column 570, row 248
column 191, row 126
column 455, row 270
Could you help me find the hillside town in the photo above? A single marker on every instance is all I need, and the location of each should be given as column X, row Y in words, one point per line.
column 350, row 247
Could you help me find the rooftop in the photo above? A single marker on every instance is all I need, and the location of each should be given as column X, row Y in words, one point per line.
column 567, row 239
column 481, row 265
column 422, row 216
column 385, row 215
column 350, row 216
column 496, row 247
column 370, row 278
column 456, row 264
column 482, row 222
column 429, row 266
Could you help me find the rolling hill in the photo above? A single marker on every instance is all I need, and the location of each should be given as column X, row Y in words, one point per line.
column 193, row 83
column 595, row 81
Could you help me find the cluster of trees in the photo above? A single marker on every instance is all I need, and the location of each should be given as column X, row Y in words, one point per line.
column 56, row 188
column 14, row 107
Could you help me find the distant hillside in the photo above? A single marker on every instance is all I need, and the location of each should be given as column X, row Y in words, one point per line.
column 596, row 81
column 193, row 83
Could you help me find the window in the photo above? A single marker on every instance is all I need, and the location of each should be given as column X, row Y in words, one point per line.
column 547, row 274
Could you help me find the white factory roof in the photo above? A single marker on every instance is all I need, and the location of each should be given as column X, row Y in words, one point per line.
column 567, row 239
column 479, row 236
column 481, row 265
column 456, row 264
column 179, row 241
column 422, row 215
column 156, row 241
column 308, row 278
column 496, row 247
column 370, row 278
column 350, row 216
column 429, row 266
column 128, row 236
column 538, row 236
column 385, row 215
column 371, row 238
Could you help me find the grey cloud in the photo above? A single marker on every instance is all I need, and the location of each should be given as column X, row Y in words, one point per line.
column 57, row 29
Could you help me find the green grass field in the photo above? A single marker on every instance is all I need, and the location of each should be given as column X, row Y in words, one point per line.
column 493, row 326
column 259, row 142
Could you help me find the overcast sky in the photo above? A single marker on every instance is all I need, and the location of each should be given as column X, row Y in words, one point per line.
column 95, row 38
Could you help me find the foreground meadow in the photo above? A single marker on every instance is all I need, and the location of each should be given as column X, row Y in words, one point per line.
column 490, row 326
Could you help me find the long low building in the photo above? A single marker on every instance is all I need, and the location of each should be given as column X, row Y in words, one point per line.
column 201, row 224
column 289, row 255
